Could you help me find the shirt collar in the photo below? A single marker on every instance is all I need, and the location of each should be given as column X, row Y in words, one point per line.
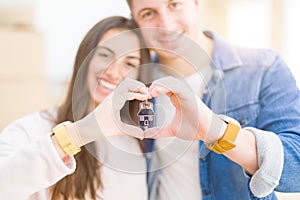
column 224, row 56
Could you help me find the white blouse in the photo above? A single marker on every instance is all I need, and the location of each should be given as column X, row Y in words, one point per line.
column 29, row 163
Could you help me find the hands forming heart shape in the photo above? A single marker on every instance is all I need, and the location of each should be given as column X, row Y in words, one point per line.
column 192, row 120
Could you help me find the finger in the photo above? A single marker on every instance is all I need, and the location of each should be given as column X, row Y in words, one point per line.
column 133, row 131
column 132, row 85
column 137, row 96
column 143, row 90
column 129, row 89
column 177, row 86
column 158, row 132
column 166, row 82
column 156, row 90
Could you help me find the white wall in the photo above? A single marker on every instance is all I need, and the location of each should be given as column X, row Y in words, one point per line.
column 252, row 22
column 292, row 36
column 64, row 24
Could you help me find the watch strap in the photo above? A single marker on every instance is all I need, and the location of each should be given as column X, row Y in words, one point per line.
column 226, row 142
column 60, row 132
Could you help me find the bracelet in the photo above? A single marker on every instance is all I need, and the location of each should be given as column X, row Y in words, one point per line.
column 64, row 141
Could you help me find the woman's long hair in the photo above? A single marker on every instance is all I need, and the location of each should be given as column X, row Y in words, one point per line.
column 85, row 181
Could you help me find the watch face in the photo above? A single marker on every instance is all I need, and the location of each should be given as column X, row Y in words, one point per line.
column 146, row 115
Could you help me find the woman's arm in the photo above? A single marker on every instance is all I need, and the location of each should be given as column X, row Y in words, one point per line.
column 29, row 161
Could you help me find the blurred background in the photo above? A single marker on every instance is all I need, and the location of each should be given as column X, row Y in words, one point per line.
column 39, row 39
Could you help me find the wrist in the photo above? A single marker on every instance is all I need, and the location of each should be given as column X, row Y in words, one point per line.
column 227, row 140
column 73, row 134
column 216, row 130
column 62, row 154
column 86, row 130
column 63, row 138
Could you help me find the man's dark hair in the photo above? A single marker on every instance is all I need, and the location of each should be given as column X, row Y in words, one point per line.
column 129, row 2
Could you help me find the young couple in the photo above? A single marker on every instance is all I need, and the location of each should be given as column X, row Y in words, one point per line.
column 242, row 105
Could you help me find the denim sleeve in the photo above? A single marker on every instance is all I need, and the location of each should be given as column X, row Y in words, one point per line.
column 280, row 114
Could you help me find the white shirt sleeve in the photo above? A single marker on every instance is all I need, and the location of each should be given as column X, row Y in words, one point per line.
column 270, row 162
column 29, row 161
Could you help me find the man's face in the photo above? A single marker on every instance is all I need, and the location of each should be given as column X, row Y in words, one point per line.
column 167, row 24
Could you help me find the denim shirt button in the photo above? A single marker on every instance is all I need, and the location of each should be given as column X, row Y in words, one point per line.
column 203, row 159
column 206, row 192
column 148, row 155
column 242, row 122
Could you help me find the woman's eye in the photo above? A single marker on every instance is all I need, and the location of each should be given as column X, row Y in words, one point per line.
column 104, row 55
column 133, row 65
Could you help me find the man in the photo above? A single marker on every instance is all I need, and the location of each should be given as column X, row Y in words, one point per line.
column 253, row 88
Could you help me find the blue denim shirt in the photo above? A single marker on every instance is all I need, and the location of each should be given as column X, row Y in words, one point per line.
column 255, row 87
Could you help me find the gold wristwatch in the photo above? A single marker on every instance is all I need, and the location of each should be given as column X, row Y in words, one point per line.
column 226, row 142
column 60, row 132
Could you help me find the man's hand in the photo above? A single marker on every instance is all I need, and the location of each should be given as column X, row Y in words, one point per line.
column 192, row 120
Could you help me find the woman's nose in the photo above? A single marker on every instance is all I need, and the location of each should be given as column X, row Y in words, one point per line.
column 114, row 70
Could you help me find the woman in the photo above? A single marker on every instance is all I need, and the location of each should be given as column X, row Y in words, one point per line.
column 34, row 162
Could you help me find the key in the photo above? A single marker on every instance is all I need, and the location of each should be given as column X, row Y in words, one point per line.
column 146, row 115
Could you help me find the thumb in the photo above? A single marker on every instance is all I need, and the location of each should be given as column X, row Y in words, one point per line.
column 158, row 132
column 129, row 89
column 131, row 130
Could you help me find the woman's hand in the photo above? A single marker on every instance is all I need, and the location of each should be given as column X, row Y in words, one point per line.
column 105, row 120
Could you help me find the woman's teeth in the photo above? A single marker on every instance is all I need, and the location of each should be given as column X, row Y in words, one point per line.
column 107, row 85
